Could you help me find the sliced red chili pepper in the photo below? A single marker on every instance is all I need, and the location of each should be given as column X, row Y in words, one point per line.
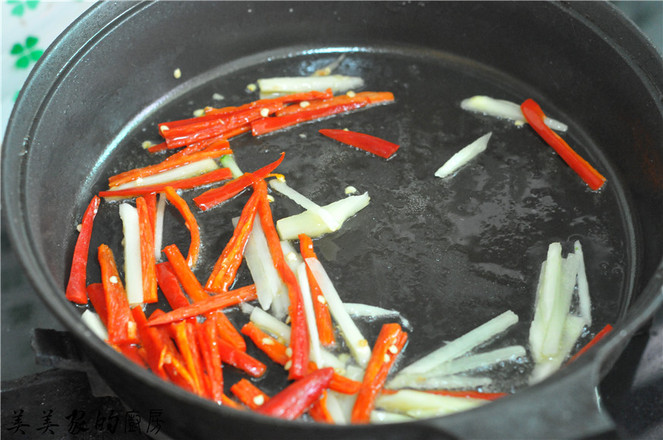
column 535, row 117
column 239, row 359
column 320, row 307
column 299, row 342
column 203, row 306
column 165, row 165
column 366, row 142
column 147, row 260
column 190, row 223
column 319, row 411
column 227, row 330
column 389, row 343
column 192, row 182
column 184, row 274
column 225, row 268
column 270, row 346
column 151, row 341
column 600, row 335
column 249, row 394
column 210, row 352
column 121, row 325
column 167, row 281
column 215, row 196
column 76, row 285
column 294, row 400
column 322, row 109
column 187, row 345
column 95, row 292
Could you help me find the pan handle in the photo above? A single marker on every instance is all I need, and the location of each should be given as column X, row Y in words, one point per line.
column 565, row 406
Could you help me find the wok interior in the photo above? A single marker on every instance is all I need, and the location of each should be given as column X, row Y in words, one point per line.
column 448, row 254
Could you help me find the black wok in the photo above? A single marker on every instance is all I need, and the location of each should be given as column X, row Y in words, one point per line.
column 448, row 255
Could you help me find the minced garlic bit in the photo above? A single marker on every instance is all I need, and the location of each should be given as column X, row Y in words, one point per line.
column 351, row 94
column 287, row 319
column 270, row 198
column 386, row 357
column 218, row 97
column 321, row 299
column 291, row 256
column 264, row 112
column 252, row 87
column 113, row 279
column 198, row 112
column 147, row 144
column 287, row 365
column 362, row 343
column 267, row 341
column 302, row 135
column 164, row 128
column 288, row 352
column 350, row 190
column 304, row 104
column 79, row 227
column 259, row 399
column 177, row 73
column 393, row 349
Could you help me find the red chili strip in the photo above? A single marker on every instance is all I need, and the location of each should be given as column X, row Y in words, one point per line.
column 535, row 117
column 225, row 269
column 239, row 359
column 389, row 344
column 207, row 337
column 76, row 286
column 133, row 353
column 201, row 307
column 95, row 292
column 320, row 307
column 190, row 223
column 299, row 342
column 215, row 196
column 121, row 325
column 227, row 330
column 294, row 400
column 600, row 335
column 267, row 344
column 249, row 394
column 319, row 411
column 165, row 165
column 366, row 142
column 147, row 259
column 167, row 281
column 192, row 182
column 187, row 345
column 184, row 274
column 340, row 384
column 150, row 341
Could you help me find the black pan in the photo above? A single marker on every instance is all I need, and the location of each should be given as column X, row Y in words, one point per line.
column 448, row 254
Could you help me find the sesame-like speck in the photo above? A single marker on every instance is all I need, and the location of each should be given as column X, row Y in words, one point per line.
column 113, row 279
column 165, row 128
column 287, row 365
column 270, row 198
column 350, row 190
column 288, row 352
column 198, row 112
column 252, row 87
column 177, row 73
column 259, row 399
column 362, row 343
column 351, row 94
column 304, row 104
column 264, row 112
column 218, row 97
column 79, row 227
column 386, row 357
column 267, row 341
column 147, row 144
column 302, row 135
column 321, row 299
column 393, row 349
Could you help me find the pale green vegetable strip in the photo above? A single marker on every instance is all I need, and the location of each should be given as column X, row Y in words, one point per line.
column 95, row 324
column 463, row 344
column 584, row 301
column 379, row 416
column 133, row 273
column 446, row 382
column 463, row 156
column 421, row 404
column 501, row 108
column 183, row 172
column 332, row 223
column 296, row 84
column 353, row 338
column 481, row 360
